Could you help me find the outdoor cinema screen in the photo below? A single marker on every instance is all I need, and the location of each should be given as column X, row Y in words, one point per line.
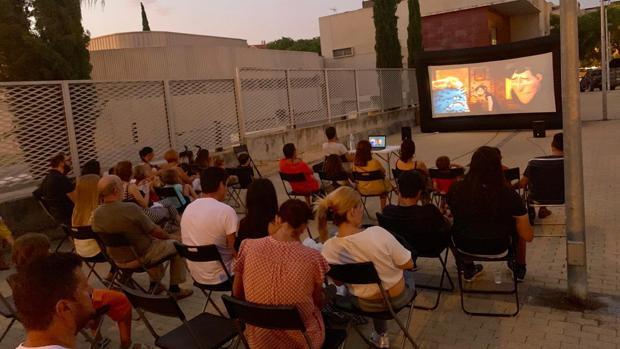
column 511, row 86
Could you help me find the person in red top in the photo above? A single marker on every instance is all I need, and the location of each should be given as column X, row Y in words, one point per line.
column 280, row 270
column 291, row 164
column 443, row 185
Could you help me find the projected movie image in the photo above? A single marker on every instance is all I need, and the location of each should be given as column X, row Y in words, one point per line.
column 520, row 85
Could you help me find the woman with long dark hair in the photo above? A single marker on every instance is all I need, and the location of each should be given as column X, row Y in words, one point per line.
column 262, row 206
column 364, row 163
column 488, row 214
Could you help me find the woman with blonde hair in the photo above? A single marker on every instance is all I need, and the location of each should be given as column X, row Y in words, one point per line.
column 86, row 201
column 353, row 244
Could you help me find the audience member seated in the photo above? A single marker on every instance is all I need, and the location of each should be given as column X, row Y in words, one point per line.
column 86, row 201
column 150, row 242
column 406, row 160
column 185, row 192
column 162, row 214
column 172, row 162
column 57, row 190
column 32, row 246
column 209, row 221
column 261, row 207
column 147, row 155
column 364, row 162
column 279, row 270
column 335, row 173
column 488, row 214
column 442, row 185
column 291, row 164
column 333, row 145
column 352, row 244
column 53, row 306
column 557, row 152
column 426, row 219
column 146, row 181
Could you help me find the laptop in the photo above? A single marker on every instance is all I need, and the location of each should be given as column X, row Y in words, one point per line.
column 377, row 142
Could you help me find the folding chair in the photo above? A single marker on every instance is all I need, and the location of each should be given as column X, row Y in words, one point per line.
column 369, row 177
column 203, row 254
column 169, row 193
column 364, row 274
column 507, row 256
column 245, row 176
column 512, row 175
column 546, row 184
column 85, row 233
column 294, row 178
column 124, row 271
column 204, row 331
column 65, row 229
column 7, row 309
column 437, row 198
column 424, row 244
column 243, row 149
column 286, row 318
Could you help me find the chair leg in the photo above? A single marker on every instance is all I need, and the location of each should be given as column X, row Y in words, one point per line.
column 208, row 296
column 6, row 331
column 407, row 327
column 365, row 208
column 403, row 328
column 444, row 275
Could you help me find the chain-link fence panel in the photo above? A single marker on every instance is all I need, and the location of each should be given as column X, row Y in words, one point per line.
column 308, row 97
column 205, row 113
column 114, row 120
column 391, row 88
column 369, row 92
column 342, row 96
column 265, row 99
column 32, row 130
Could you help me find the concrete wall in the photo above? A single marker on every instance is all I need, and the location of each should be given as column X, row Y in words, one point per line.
column 159, row 39
column 192, row 62
column 468, row 28
column 269, row 147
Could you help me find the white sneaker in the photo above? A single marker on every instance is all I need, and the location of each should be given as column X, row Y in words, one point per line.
column 380, row 340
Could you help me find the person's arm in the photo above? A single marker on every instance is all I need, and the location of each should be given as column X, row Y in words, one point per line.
column 523, row 182
column 183, row 176
column 143, row 201
column 490, row 103
column 158, row 233
column 230, row 224
column 70, row 189
column 237, row 289
column 524, row 228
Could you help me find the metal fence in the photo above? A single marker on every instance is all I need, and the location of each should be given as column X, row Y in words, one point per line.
column 111, row 120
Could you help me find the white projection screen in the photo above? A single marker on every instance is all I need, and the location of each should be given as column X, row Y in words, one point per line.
column 511, row 86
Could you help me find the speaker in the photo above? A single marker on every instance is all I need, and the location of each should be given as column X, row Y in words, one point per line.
column 539, row 130
column 405, row 132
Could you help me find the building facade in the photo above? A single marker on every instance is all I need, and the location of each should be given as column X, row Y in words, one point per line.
column 347, row 39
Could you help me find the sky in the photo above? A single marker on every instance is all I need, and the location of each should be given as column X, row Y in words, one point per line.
column 253, row 20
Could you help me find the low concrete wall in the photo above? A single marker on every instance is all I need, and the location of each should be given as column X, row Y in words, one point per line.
column 268, row 147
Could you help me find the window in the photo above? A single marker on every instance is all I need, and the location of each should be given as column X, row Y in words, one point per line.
column 343, row 52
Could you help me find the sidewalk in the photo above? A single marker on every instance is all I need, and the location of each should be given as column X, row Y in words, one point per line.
column 546, row 320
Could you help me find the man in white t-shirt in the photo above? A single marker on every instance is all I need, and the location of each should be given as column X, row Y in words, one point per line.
column 53, row 307
column 209, row 221
column 332, row 146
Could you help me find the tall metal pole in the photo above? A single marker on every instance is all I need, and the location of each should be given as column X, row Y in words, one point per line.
column 573, row 158
column 604, row 63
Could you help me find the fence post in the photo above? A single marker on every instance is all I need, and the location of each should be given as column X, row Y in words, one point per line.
column 357, row 91
column 327, row 98
column 172, row 132
column 289, row 97
column 381, row 96
column 240, row 110
column 73, row 148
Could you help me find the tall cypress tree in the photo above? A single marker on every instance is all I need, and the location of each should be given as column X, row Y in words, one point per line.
column 414, row 32
column 387, row 46
column 145, row 20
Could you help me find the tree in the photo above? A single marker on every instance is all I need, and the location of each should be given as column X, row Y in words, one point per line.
column 387, row 46
column 145, row 20
column 414, row 32
column 289, row 44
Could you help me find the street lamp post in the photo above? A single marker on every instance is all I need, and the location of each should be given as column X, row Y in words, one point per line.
column 604, row 62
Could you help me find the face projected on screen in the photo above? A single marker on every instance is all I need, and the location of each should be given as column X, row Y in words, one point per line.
column 525, row 84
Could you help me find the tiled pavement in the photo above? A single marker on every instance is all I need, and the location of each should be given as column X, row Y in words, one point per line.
column 546, row 319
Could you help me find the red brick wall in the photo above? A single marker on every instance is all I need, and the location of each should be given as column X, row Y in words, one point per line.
column 462, row 29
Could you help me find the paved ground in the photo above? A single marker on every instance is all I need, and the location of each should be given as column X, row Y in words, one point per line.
column 546, row 320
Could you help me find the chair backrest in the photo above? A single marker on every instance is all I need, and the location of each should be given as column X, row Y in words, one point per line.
column 368, row 176
column 354, row 273
column 546, row 180
column 318, row 168
column 264, row 316
column 83, row 233
column 163, row 305
column 205, row 253
column 293, row 177
column 114, row 240
column 398, row 227
column 241, row 149
column 512, row 174
column 453, row 173
column 244, row 174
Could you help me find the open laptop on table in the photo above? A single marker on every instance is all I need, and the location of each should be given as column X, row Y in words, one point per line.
column 377, row 142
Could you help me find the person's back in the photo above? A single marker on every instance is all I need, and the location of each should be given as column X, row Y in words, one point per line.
column 333, row 146
column 86, row 201
column 372, row 187
column 54, row 190
column 291, row 164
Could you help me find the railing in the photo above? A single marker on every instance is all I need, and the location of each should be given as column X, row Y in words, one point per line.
column 111, row 120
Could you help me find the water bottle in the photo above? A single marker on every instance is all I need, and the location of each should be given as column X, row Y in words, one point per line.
column 351, row 142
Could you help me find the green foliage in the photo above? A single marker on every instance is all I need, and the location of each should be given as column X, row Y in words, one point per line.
column 145, row 20
column 53, row 48
column 414, row 32
column 289, row 44
column 387, row 46
column 554, row 22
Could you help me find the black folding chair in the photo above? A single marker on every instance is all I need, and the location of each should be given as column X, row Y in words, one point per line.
column 203, row 254
column 85, row 233
column 276, row 318
column 124, row 271
column 423, row 243
column 545, row 184
column 439, row 199
column 204, row 331
column 65, row 229
column 175, row 199
column 365, row 274
column 369, row 177
column 245, row 176
column 7, row 309
column 243, row 149
column 295, row 178
column 507, row 256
